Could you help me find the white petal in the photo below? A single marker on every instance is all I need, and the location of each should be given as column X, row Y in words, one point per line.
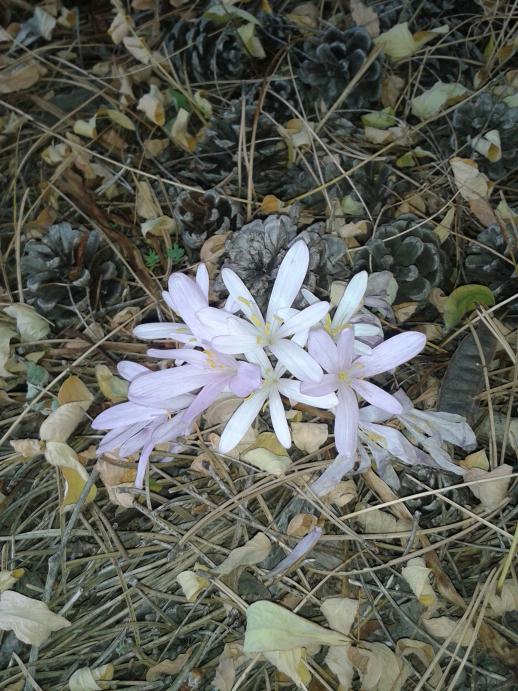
column 153, row 388
column 279, row 422
column 304, row 320
column 376, row 396
column 233, row 345
column 241, row 295
column 241, row 420
column 309, row 297
column 296, row 360
column 290, row 278
column 391, row 353
column 125, row 414
column 129, row 370
column 156, row 330
column 322, row 347
column 346, row 423
column 202, row 279
column 291, row 389
column 352, row 299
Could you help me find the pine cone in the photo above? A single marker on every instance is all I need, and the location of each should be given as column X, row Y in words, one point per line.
column 203, row 51
column 256, row 251
column 333, row 60
column 216, row 163
column 481, row 265
column 421, row 14
column 415, row 257
column 203, row 214
column 69, row 270
column 480, row 115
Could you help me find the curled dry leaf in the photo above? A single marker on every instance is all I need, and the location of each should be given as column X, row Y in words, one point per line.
column 179, row 131
column 191, row 584
column 417, row 575
column 250, row 41
column 292, row 664
column 86, row 128
column 30, row 620
column 31, row 326
column 252, row 552
column 366, row 17
column 506, row 600
column 270, row 627
column 152, row 105
column 73, row 390
column 21, row 76
column 75, row 475
column 168, row 667
column 340, row 613
column 230, row 659
column 446, row 627
column 398, row 42
column 440, row 96
column 309, row 436
column 88, row 679
column 301, row 524
column 60, row 424
column 147, row 205
column 112, row 387
column 115, row 478
column 6, row 333
column 342, row 494
column 490, row 494
column 406, row 647
column 266, row 460
column 120, row 27
column 378, row 521
column 27, row 447
column 9, row 578
column 163, row 225
column 379, row 668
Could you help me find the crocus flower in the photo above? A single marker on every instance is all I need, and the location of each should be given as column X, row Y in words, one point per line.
column 350, row 315
column 279, row 332
column 186, row 297
column 211, row 372
column 133, row 427
column 273, row 384
column 348, row 377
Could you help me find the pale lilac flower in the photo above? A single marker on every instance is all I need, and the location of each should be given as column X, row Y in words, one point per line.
column 186, row 297
column 348, row 377
column 302, row 549
column 280, row 331
column 211, row 372
column 272, row 386
column 349, row 314
column 133, row 427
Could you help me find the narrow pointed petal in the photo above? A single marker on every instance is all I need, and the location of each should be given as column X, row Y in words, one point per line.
column 204, row 399
column 346, row 423
column 391, row 353
column 279, row 422
column 142, row 465
column 193, row 357
column 157, row 330
column 345, row 349
column 327, row 384
column 187, row 299
column 129, row 370
column 371, row 413
column 304, row 320
column 241, row 295
column 362, row 330
column 322, row 347
column 153, row 387
column 296, row 360
column 309, row 297
column 290, row 278
column 202, row 279
column 352, row 299
column 246, row 379
column 234, row 345
column 332, row 475
column 376, row 396
column 241, row 420
column 125, row 414
column 291, row 389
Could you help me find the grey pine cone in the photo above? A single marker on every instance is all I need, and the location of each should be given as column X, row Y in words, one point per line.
column 481, row 265
column 415, row 257
column 69, row 270
column 331, row 62
column 203, row 214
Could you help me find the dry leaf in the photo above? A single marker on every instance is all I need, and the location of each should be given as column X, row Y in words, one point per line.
column 417, row 575
column 9, row 578
column 444, row 627
column 340, row 613
column 168, row 667
column 471, row 183
column 191, row 584
column 146, row 204
column 73, row 390
column 117, row 477
column 30, row 620
column 87, row 679
column 304, row 15
column 27, row 447
column 74, row 473
column 86, row 128
column 250, row 41
column 490, row 494
column 301, row 524
column 378, row 521
column 6, row 333
column 506, row 601
column 19, row 77
column 112, row 387
column 488, row 145
column 391, row 88
column 159, row 226
column 378, row 666
column 292, row 664
column 266, row 460
column 309, row 436
column 252, row 552
column 31, row 325
column 270, row 627
column 230, row 659
column 120, row 27
column 60, row 424
column 366, row 17
column 398, row 42
column 441, row 95
column 478, row 459
column 343, row 493
column 179, row 134
column 152, row 105
column 406, row 647
column 154, row 147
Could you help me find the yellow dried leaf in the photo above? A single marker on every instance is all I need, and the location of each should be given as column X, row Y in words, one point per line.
column 86, row 128
column 116, row 477
column 60, row 424
column 471, row 183
column 309, row 436
column 417, row 575
column 305, row 15
column 250, row 41
column 488, row 145
column 30, row 620
column 441, row 95
column 342, row 494
column 21, row 76
column 271, row 205
column 340, row 613
column 9, row 578
column 270, row 627
column 252, row 552
column 378, row 666
column 490, row 494
column 146, row 204
column 378, row 521
column 398, row 42
column 478, row 459
column 191, row 584
column 292, row 664
column 507, row 600
column 158, row 226
column 120, row 27
column 301, row 524
column 266, row 460
column 406, row 647
column 444, row 627
column 112, row 387
column 179, row 132
column 152, row 105
column 75, row 475
column 27, row 447
column 73, row 390
column 168, row 667
column 230, row 659
column 88, row 679
column 338, row 662
column 366, row 17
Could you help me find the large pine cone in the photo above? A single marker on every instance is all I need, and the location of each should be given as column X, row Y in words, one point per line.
column 482, row 265
column 482, row 114
column 256, row 251
column 331, row 62
column 203, row 214
column 414, row 257
column 69, row 270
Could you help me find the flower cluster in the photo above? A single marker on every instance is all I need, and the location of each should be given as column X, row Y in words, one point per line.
column 305, row 356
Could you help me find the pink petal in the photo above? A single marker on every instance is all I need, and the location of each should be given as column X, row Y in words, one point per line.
column 345, row 349
column 241, row 295
column 376, row 396
column 391, row 353
column 125, row 414
column 304, row 320
column 346, row 423
column 156, row 386
column 327, row 384
column 322, row 347
column 246, row 380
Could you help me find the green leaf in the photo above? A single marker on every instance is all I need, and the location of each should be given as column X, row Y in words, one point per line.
column 464, row 300
column 382, row 119
column 37, row 378
column 175, row 253
column 178, row 100
column 223, row 12
column 151, row 259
